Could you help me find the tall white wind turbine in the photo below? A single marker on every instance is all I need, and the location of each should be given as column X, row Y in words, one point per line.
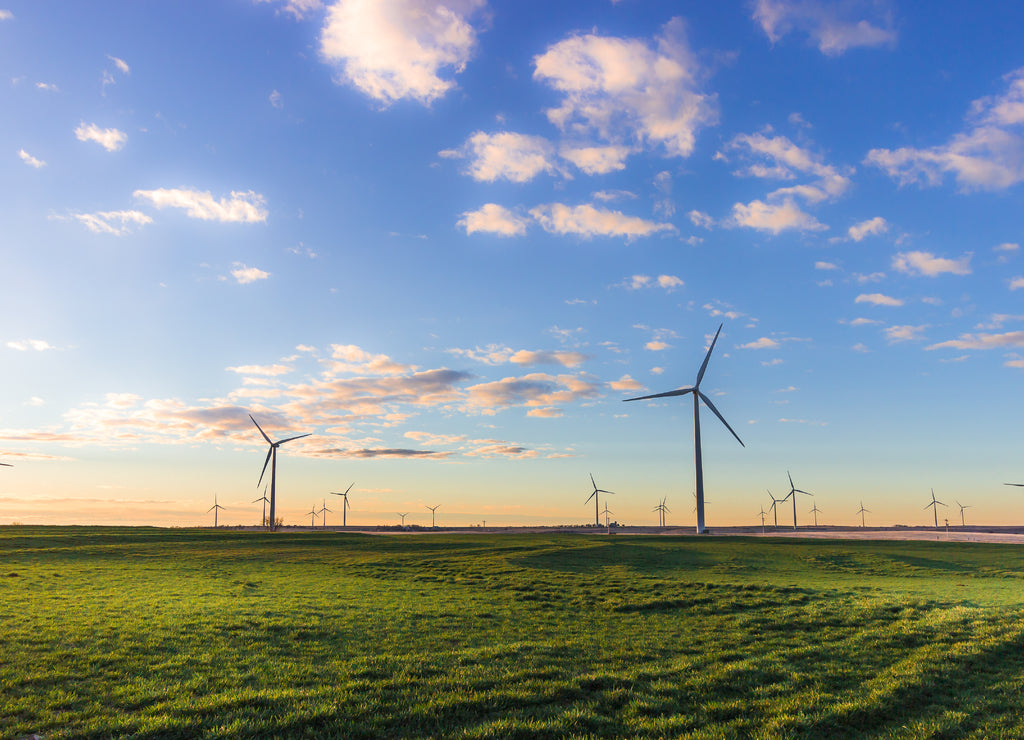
column 215, row 509
column 934, row 505
column 272, row 461
column 698, row 396
column 793, row 491
column 962, row 507
column 597, row 513
column 862, row 512
column 433, row 511
column 815, row 510
column 346, row 506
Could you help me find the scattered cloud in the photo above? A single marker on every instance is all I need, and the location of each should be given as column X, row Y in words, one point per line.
column 493, row 219
column 834, row 28
column 30, row 345
column 587, row 221
column 505, row 156
column 299, row 9
column 656, row 345
column 1017, row 282
column 865, row 322
column 776, row 157
column 762, row 343
column 270, row 371
column 276, row 100
column 860, row 347
column 48, row 87
column 772, row 362
column 121, row 64
column 699, row 218
column 989, row 155
column 596, row 160
column 878, row 299
column 825, row 266
column 30, row 160
column 874, row 277
column 240, row 207
column 983, row 341
column 774, row 217
column 895, row 334
column 109, row 138
column 396, row 49
column 871, row 227
column 629, row 91
column 926, row 263
column 244, row 274
column 496, row 354
column 6, row 15
column 625, row 383
column 1007, row 247
column 637, row 282
column 117, row 223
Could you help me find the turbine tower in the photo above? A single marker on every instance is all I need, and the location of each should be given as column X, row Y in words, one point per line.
column 433, row 509
column 815, row 511
column 215, row 509
column 793, row 491
column 962, row 507
column 698, row 396
column 345, row 506
column 935, row 504
column 272, row 461
column 597, row 513
column 265, row 500
column 862, row 512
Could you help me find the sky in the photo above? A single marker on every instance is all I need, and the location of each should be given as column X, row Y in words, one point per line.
column 448, row 239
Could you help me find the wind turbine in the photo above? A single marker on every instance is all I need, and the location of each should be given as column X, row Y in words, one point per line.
column 597, row 514
column 345, row 506
column 763, row 515
column 323, row 516
column 935, row 504
column 403, row 517
column 264, row 499
column 661, row 509
column 774, row 507
column 606, row 512
column 862, row 512
column 706, row 502
column 815, row 511
column 272, row 461
column 793, row 491
column 432, row 510
column 215, row 509
column 962, row 507
column 698, row 396
column 312, row 518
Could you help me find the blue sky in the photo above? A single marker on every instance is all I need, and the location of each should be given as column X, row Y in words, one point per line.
column 449, row 238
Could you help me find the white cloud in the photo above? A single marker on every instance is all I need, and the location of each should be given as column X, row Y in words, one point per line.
column 505, row 156
column 762, row 343
column 864, row 322
column 395, row 49
column 860, row 347
column 121, row 64
column 117, row 223
column 597, row 160
column 245, row 274
column 625, row 383
column 276, row 100
column 588, row 221
column 30, row 160
column 1017, row 282
column 833, row 27
column 6, row 15
column 496, row 354
column 493, row 219
column 825, row 266
column 874, row 277
column 895, row 334
column 989, row 155
column 1007, row 247
column 984, row 341
column 261, row 370
column 774, row 217
column 109, row 138
column 35, row 345
column 668, row 282
column 47, row 87
column 298, row 8
column 240, row 207
column 876, row 225
column 699, row 218
column 777, row 157
column 926, row 263
column 629, row 90
column 656, row 346
column 878, row 299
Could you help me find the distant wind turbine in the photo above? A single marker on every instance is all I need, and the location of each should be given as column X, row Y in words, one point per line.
column 403, row 517
column 934, row 505
column 432, row 510
column 265, row 500
column 698, row 396
column 594, row 495
column 606, row 512
column 215, row 509
column 312, row 518
column 763, row 515
column 774, row 508
column 706, row 502
column 272, row 461
column 661, row 509
column 345, row 506
column 815, row 511
column 323, row 514
column 793, row 491
column 862, row 512
column 962, row 507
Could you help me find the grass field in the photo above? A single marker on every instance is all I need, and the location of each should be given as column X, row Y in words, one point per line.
column 202, row 634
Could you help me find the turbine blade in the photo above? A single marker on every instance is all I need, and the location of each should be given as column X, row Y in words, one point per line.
column 791, row 484
column 261, row 431
column 588, row 497
column 265, row 464
column 592, row 481
column 721, row 418
column 291, row 438
column 666, row 394
column 704, row 366
column 805, row 492
column 350, row 486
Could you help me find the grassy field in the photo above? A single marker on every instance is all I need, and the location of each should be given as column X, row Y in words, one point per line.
column 201, row 634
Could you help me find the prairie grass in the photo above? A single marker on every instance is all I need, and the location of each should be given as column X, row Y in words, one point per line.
column 211, row 634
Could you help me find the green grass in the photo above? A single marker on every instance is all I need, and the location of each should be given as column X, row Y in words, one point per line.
column 200, row 634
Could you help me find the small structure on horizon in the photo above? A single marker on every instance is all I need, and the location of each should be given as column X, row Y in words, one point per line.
column 862, row 512
column 594, row 495
column 935, row 504
column 433, row 509
column 346, row 506
column 793, row 491
column 215, row 509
